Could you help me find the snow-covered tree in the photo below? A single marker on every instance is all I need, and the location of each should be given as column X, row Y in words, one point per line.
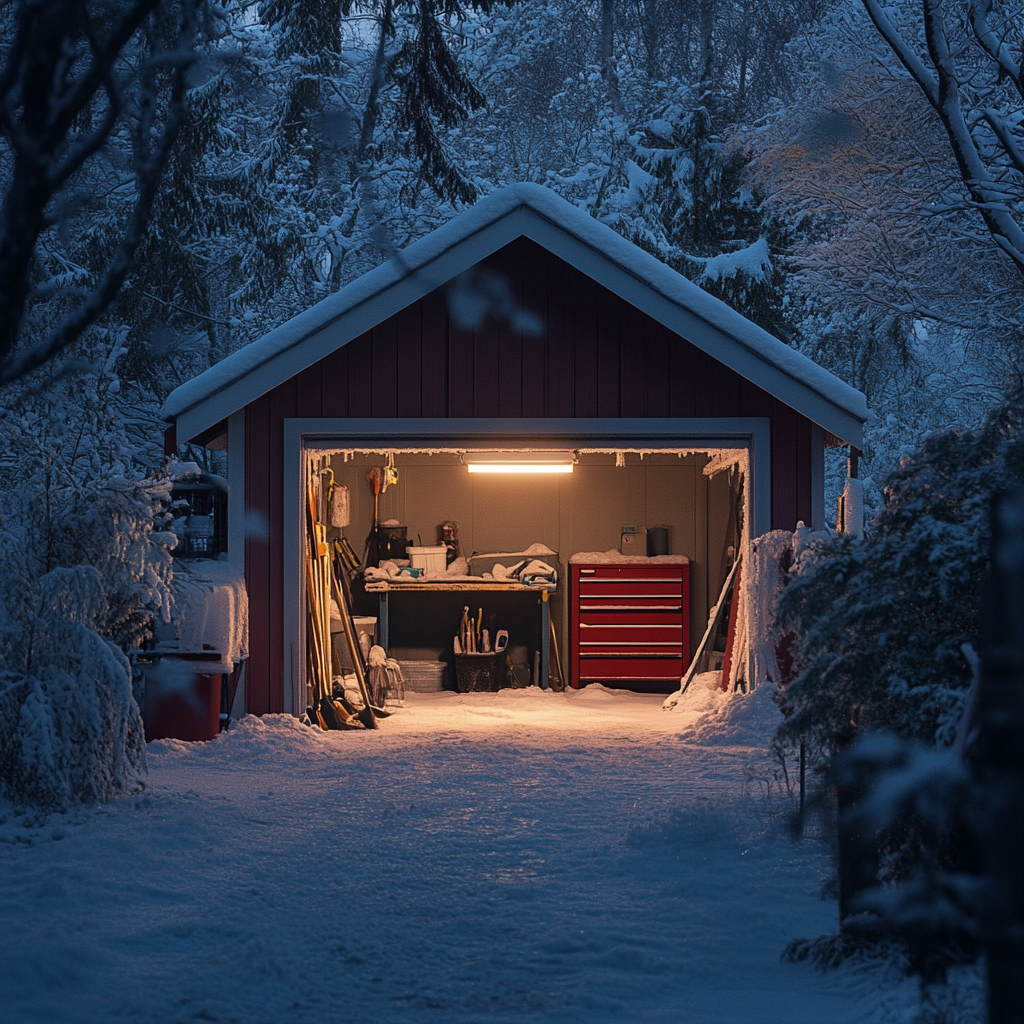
column 84, row 568
column 882, row 622
column 895, row 288
column 974, row 82
column 75, row 74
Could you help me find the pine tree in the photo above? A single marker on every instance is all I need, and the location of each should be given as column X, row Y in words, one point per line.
column 709, row 223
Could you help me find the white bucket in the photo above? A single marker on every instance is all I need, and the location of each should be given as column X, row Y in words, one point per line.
column 431, row 559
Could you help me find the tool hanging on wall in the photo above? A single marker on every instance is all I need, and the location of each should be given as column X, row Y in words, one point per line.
column 341, row 506
column 325, row 478
column 390, row 473
column 371, row 551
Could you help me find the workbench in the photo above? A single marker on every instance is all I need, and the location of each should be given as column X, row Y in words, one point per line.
column 541, row 594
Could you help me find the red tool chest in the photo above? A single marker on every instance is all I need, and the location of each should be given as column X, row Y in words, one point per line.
column 629, row 624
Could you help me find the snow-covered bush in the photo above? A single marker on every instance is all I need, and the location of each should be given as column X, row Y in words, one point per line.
column 881, row 621
column 70, row 730
column 84, row 567
column 911, row 826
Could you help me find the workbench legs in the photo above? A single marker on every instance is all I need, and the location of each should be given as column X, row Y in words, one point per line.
column 545, row 637
column 384, row 631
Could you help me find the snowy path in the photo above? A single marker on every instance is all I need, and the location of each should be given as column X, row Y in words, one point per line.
column 518, row 857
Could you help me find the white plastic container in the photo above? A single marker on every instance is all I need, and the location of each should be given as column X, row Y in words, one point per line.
column 365, row 624
column 430, row 559
column 424, row 676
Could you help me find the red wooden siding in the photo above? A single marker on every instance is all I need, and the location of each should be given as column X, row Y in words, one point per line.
column 596, row 356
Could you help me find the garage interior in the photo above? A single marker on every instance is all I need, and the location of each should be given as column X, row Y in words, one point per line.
column 696, row 496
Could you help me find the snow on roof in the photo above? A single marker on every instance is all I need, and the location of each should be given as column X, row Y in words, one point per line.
column 432, row 261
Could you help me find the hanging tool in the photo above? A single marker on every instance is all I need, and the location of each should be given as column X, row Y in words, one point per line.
column 371, row 551
column 390, row 473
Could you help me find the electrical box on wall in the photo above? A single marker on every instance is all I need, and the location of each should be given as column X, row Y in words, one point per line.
column 634, row 540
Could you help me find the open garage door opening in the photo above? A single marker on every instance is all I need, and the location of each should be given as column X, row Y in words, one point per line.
column 570, row 565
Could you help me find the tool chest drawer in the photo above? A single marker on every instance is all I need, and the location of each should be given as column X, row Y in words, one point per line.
column 629, row 623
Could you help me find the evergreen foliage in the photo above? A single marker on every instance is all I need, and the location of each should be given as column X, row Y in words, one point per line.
column 881, row 622
column 715, row 228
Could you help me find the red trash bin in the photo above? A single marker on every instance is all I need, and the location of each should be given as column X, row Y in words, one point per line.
column 182, row 699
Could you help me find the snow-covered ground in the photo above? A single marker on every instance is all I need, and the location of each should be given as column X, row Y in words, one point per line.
column 522, row 856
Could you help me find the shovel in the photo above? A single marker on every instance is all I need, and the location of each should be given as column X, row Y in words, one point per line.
column 369, row 714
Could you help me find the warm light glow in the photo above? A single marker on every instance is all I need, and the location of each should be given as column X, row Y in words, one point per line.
column 519, row 462
column 520, row 467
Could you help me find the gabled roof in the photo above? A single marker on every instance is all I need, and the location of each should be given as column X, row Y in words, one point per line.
column 572, row 235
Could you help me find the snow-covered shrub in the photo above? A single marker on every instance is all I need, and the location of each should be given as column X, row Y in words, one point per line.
column 84, row 567
column 70, row 730
column 912, row 823
column 881, row 621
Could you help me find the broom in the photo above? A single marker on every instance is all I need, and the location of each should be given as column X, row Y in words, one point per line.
column 371, row 553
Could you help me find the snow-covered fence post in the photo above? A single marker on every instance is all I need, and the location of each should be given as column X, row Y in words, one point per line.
column 999, row 759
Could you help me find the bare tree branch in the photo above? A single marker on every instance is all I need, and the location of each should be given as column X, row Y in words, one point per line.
column 997, row 50
column 61, row 72
column 941, row 85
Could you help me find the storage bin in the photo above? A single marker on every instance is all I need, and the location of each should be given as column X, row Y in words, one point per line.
column 416, row 653
column 182, row 701
column 476, row 673
column 432, row 559
column 423, row 676
column 364, row 624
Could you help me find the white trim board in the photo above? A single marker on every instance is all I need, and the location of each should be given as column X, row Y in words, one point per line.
column 301, row 435
column 570, row 234
column 236, row 489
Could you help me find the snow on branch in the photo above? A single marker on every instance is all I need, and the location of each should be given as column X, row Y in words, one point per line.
column 63, row 71
column 983, row 158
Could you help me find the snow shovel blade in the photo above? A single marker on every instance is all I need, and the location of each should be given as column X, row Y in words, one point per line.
column 351, row 708
column 330, row 720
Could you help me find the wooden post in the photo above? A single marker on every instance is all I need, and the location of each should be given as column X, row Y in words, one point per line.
column 999, row 763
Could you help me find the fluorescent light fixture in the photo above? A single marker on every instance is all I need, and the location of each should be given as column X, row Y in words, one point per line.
column 519, row 462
